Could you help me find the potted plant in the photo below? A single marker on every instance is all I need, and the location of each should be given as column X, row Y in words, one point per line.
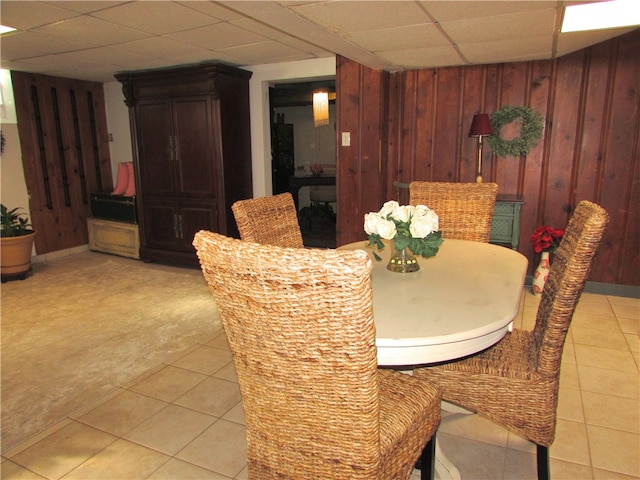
column 16, row 244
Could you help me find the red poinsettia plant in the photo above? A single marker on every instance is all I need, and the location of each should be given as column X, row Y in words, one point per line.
column 546, row 239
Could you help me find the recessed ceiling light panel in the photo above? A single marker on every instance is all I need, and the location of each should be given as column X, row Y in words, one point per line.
column 600, row 15
column 5, row 29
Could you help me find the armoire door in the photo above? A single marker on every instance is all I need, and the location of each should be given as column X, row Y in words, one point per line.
column 194, row 146
column 161, row 225
column 156, row 148
column 171, row 225
column 196, row 216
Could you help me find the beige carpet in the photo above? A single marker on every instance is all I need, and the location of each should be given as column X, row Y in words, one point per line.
column 81, row 325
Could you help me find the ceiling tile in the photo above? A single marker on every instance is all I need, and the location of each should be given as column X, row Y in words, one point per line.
column 355, row 16
column 219, row 36
column 418, row 57
column 400, row 38
column 273, row 50
column 92, row 31
column 58, row 62
column 305, row 47
column 160, row 17
column 444, row 11
column 214, row 9
column 499, row 52
column 162, row 47
column 84, row 6
column 503, row 27
column 36, row 44
column 258, row 28
column 25, row 15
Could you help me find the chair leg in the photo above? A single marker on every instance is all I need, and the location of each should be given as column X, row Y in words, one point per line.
column 542, row 454
column 428, row 460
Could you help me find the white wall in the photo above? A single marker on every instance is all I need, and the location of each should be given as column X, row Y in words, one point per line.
column 13, row 186
column 120, row 148
column 311, row 144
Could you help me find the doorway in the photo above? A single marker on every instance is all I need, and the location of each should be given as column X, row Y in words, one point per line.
column 303, row 157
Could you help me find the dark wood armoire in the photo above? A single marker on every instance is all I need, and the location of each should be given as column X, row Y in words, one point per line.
column 191, row 139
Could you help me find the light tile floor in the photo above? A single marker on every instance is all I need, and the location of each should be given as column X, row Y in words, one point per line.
column 184, row 419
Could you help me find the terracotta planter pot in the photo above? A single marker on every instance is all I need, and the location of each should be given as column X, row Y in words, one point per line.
column 15, row 256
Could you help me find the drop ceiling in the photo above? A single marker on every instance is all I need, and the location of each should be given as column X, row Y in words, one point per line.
column 92, row 40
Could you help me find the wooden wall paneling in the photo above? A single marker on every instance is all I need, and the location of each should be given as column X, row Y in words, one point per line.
column 491, row 99
column 513, row 90
column 362, row 96
column 530, row 177
column 566, row 114
column 597, row 94
column 348, row 182
column 400, row 151
column 447, row 127
column 630, row 257
column 473, row 102
column 371, row 134
column 410, row 156
column 64, row 143
column 395, row 166
column 589, row 149
column 523, row 175
column 592, row 133
column 34, row 143
column 424, row 117
column 387, row 191
column 629, row 265
column 347, row 157
column 619, row 165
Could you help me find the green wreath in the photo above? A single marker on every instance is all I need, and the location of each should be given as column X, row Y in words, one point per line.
column 531, row 131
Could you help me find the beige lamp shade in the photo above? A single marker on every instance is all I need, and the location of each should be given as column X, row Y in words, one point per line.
column 320, row 109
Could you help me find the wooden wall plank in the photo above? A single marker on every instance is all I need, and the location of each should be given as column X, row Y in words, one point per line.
column 615, row 192
column 361, row 167
column 473, row 102
column 531, row 167
column 446, row 127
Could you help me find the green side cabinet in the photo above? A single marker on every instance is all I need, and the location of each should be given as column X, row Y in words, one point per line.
column 505, row 227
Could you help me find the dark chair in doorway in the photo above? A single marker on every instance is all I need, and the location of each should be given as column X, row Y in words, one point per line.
column 318, row 220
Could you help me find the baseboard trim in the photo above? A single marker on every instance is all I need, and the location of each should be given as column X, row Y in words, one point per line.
column 600, row 288
column 45, row 257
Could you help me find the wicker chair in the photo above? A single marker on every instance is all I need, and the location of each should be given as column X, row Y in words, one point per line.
column 515, row 382
column 300, row 327
column 269, row 220
column 465, row 210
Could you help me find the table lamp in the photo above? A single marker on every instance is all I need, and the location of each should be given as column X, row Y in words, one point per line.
column 480, row 127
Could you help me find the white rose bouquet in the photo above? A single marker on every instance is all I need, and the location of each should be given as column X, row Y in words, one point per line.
column 413, row 227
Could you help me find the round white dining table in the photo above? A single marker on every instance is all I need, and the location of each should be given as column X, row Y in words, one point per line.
column 460, row 302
